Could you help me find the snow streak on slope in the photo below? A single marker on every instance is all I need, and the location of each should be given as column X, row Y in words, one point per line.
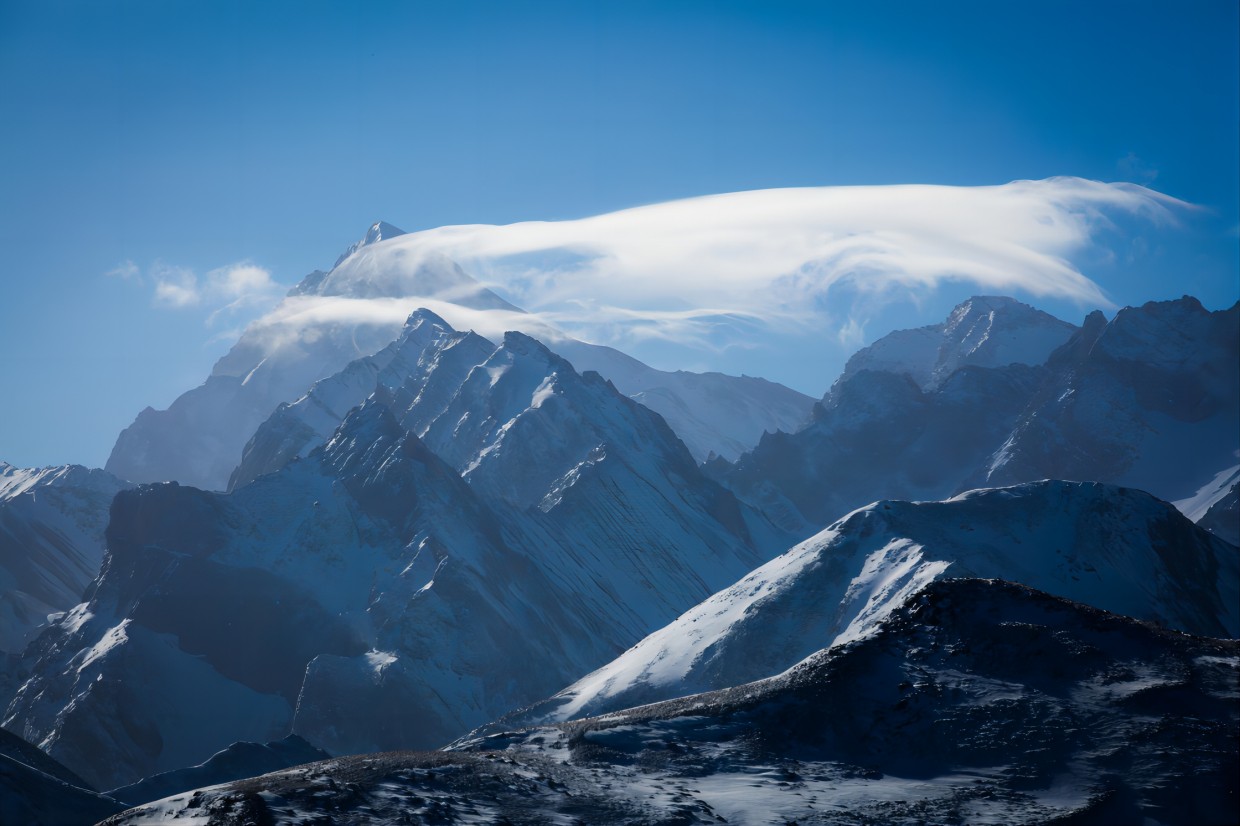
column 1118, row 549
column 1210, row 494
column 1223, row 517
column 973, row 702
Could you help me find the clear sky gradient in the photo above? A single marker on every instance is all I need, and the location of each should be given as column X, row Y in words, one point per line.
column 197, row 135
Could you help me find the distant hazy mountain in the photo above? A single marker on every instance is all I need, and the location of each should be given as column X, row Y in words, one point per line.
column 333, row 318
column 51, row 543
column 1002, row 393
column 712, row 413
column 985, row 331
column 970, row 701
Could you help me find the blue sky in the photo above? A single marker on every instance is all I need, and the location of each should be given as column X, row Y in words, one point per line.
column 193, row 136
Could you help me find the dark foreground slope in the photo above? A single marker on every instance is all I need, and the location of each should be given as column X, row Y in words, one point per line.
column 976, row 701
column 35, row 790
column 238, row 761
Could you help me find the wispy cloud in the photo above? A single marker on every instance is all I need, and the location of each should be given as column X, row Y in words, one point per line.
column 126, row 271
column 175, row 286
column 301, row 320
column 222, row 290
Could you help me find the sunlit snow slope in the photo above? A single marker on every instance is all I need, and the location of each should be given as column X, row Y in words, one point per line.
column 1114, row 548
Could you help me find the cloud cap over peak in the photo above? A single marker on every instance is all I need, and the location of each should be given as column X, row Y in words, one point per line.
column 697, row 283
column 776, row 254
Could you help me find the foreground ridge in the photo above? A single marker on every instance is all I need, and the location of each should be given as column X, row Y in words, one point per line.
column 975, row 701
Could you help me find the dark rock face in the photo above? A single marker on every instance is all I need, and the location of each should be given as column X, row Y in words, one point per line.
column 36, row 789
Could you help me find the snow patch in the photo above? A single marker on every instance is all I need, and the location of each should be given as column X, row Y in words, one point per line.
column 115, row 636
column 379, row 660
column 1195, row 506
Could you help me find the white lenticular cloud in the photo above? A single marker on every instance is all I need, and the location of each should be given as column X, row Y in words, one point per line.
column 676, row 269
column 126, row 271
column 714, row 273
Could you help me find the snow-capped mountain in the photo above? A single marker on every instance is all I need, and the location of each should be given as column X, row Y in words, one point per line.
column 1153, row 402
column 985, row 331
column 367, row 596
column 526, row 430
column 323, row 324
column 428, row 363
column 379, row 231
column 879, row 435
column 1148, row 400
column 973, row 701
column 333, row 318
column 1118, row 549
column 51, row 543
column 364, row 580
column 427, row 345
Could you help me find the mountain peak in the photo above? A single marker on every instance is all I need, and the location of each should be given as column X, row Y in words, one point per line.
column 378, row 231
column 985, row 330
column 422, row 316
column 521, row 344
column 982, row 304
